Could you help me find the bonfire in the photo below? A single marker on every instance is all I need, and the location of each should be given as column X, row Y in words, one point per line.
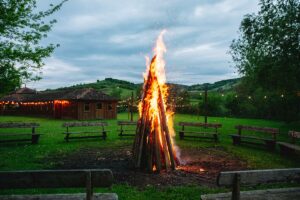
column 154, row 148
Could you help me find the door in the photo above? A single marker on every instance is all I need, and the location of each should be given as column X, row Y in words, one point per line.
column 99, row 110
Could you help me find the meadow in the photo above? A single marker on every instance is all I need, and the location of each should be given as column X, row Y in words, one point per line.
column 17, row 156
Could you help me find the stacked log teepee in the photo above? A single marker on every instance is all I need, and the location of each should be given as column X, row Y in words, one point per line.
column 152, row 149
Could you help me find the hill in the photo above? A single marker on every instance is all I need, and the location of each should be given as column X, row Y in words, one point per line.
column 123, row 89
column 224, row 85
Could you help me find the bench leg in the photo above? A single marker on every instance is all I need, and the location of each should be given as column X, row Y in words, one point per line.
column 89, row 188
column 236, row 140
column 104, row 135
column 271, row 145
column 121, row 133
column 67, row 137
column 216, row 138
column 235, row 195
column 34, row 138
column 181, row 135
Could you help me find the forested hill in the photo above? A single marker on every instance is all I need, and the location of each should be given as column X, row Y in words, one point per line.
column 223, row 85
column 123, row 88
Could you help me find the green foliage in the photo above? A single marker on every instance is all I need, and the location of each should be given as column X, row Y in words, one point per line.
column 116, row 92
column 21, row 30
column 182, row 98
column 9, row 79
column 267, row 53
column 222, row 85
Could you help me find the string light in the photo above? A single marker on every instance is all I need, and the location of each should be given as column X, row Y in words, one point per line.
column 61, row 102
column 32, row 103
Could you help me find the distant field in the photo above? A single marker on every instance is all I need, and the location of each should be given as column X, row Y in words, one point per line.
column 21, row 157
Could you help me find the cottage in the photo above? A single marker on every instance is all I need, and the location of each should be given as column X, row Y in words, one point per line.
column 81, row 104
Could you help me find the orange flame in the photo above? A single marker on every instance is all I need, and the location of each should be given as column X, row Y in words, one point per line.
column 158, row 88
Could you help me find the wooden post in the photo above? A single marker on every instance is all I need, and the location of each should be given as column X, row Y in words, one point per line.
column 236, row 187
column 89, row 188
column 121, row 131
column 131, row 107
column 128, row 108
column 33, row 136
column 205, row 103
column 239, row 130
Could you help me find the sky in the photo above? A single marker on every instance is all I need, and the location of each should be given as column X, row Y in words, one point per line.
column 102, row 38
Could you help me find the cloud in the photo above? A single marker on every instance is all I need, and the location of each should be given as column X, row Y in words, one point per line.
column 57, row 73
column 111, row 38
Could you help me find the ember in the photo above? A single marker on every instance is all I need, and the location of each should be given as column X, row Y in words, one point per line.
column 153, row 148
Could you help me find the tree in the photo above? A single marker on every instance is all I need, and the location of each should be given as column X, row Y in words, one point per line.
column 267, row 51
column 21, row 30
column 116, row 92
column 267, row 54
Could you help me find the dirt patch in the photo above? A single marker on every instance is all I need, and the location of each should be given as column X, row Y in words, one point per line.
column 200, row 166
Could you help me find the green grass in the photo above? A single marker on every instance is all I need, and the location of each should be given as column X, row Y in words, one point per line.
column 24, row 157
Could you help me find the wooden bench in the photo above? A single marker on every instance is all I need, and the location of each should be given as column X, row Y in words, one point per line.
column 127, row 132
column 236, row 179
column 290, row 148
column 250, row 139
column 33, row 137
column 102, row 133
column 204, row 134
column 88, row 178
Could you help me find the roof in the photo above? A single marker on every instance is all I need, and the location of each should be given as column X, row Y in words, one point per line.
column 25, row 90
column 28, row 95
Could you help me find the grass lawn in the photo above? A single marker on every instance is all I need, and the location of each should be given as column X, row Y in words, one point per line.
column 22, row 157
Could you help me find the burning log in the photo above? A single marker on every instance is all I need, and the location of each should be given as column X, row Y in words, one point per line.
column 153, row 146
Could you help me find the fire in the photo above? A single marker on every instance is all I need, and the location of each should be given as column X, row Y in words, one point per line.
column 154, row 147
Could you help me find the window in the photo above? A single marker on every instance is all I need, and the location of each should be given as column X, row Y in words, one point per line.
column 99, row 106
column 109, row 107
column 86, row 107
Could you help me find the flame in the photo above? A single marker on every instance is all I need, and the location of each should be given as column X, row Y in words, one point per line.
column 157, row 92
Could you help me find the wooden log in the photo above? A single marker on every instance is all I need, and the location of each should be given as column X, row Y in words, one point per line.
column 166, row 129
column 165, row 148
column 149, row 152
column 142, row 141
column 157, row 149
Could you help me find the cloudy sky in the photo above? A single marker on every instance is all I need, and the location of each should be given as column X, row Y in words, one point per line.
column 104, row 38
